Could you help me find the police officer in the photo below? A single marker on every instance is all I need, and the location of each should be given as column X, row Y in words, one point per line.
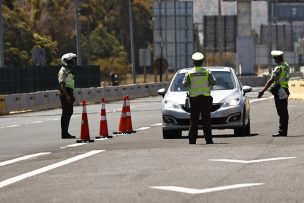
column 200, row 81
column 279, row 88
column 66, row 87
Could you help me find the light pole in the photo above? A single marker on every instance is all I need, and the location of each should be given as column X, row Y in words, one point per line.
column 132, row 43
column 1, row 38
column 220, row 31
column 269, row 34
column 77, row 32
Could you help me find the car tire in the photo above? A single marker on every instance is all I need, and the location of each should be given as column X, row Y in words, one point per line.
column 244, row 130
column 172, row 134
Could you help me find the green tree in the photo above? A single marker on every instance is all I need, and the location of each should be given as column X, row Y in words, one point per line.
column 49, row 46
column 20, row 40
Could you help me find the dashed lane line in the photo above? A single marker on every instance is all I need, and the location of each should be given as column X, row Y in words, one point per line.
column 252, row 161
column 156, row 124
column 261, row 99
column 73, row 145
column 207, row 190
column 34, row 122
column 142, row 128
column 48, row 168
column 4, row 163
column 12, row 126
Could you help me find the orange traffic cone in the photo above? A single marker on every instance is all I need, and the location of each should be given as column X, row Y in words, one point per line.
column 84, row 133
column 125, row 124
column 103, row 129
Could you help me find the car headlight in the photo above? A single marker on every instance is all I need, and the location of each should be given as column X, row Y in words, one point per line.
column 232, row 102
column 171, row 105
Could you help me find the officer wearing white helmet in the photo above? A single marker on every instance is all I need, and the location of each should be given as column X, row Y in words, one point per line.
column 66, row 87
column 278, row 84
column 200, row 81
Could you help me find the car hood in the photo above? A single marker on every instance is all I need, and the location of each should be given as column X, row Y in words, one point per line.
column 219, row 96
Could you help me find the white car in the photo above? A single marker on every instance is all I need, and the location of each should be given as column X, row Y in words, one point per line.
column 230, row 107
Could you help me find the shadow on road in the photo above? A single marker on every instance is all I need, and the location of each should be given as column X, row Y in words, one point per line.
column 223, row 136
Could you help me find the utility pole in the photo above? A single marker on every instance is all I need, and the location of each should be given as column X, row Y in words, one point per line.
column 77, row 32
column 269, row 4
column 132, row 43
column 161, row 42
column 220, row 40
column 1, row 38
column 175, row 39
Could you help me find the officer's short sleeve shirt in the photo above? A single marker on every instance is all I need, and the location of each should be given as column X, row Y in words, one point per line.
column 276, row 72
column 62, row 75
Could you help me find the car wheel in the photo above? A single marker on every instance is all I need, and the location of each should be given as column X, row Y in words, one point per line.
column 172, row 134
column 244, row 130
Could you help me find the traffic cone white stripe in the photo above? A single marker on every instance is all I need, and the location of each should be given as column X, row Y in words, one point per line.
column 103, row 118
column 128, row 114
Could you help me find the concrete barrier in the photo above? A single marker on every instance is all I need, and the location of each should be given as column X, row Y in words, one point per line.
column 90, row 95
column 99, row 93
column 126, row 90
column 78, row 96
column 253, row 81
column 41, row 101
column 13, row 103
column 296, row 88
column 53, row 99
column 3, row 108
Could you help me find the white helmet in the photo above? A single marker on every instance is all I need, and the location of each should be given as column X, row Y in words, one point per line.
column 67, row 57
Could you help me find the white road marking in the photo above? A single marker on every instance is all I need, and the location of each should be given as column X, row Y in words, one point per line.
column 53, row 119
column 156, row 124
column 73, row 145
column 34, row 122
column 101, row 138
column 12, row 126
column 261, row 99
column 142, row 128
column 22, row 158
column 252, row 161
column 47, row 168
column 207, row 190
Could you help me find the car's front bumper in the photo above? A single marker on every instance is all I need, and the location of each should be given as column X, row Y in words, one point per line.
column 222, row 118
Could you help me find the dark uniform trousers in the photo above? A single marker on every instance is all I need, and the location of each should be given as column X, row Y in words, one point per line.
column 200, row 105
column 67, row 111
column 282, row 110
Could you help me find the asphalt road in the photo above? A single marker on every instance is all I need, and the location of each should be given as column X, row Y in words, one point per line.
column 37, row 166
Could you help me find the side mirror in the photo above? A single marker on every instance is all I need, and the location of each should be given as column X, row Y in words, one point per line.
column 161, row 92
column 247, row 89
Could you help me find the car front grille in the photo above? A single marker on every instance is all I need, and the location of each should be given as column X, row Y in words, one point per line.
column 214, row 108
column 214, row 121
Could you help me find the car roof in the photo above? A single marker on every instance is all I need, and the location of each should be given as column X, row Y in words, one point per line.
column 212, row 68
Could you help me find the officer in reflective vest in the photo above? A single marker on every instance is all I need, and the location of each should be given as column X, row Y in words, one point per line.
column 66, row 87
column 200, row 81
column 278, row 84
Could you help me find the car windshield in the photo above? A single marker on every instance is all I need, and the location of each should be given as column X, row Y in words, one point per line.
column 224, row 81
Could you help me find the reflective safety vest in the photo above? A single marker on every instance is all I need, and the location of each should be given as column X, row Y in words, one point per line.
column 69, row 82
column 199, row 82
column 284, row 75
